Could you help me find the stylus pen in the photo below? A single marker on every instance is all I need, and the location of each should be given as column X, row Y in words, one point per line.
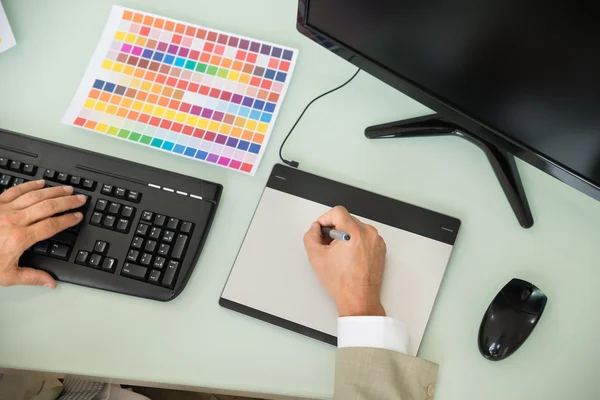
column 335, row 234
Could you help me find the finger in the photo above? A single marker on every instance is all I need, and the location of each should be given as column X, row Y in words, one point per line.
column 15, row 192
column 37, row 196
column 28, row 276
column 51, row 226
column 313, row 239
column 339, row 218
column 50, row 207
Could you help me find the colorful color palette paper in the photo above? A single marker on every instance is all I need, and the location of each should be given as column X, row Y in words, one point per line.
column 7, row 40
column 184, row 89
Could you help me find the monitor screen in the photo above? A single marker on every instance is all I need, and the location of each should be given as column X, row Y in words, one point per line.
column 526, row 70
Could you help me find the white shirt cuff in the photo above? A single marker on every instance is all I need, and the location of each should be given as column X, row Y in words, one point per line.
column 378, row 332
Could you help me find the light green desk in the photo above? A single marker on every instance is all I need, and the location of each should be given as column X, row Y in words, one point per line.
column 192, row 341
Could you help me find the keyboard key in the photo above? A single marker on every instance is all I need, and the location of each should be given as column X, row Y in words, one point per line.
column 18, row 181
column 154, row 276
column 163, row 249
column 41, row 247
column 4, row 162
column 101, row 205
column 155, row 233
column 59, row 251
column 65, row 237
column 95, row 261
column 159, row 262
column 114, row 208
column 127, row 212
column 142, row 229
column 75, row 181
column 151, row 246
column 133, row 255
column 100, row 247
column 134, row 196
column 173, row 224
column 15, row 166
column 50, row 174
column 186, row 227
column 179, row 247
column 107, row 190
column 29, row 169
column 168, row 237
column 123, row 225
column 62, row 177
column 160, row 220
column 120, row 192
column 134, row 271
column 109, row 221
column 88, row 184
column 109, row 264
column 96, row 218
column 169, row 277
column 5, row 180
column 82, row 257
column 146, row 259
column 147, row 216
column 137, row 243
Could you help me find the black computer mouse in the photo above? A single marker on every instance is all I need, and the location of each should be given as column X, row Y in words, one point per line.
column 510, row 318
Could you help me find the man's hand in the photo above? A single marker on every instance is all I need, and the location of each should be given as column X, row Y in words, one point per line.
column 27, row 217
column 352, row 271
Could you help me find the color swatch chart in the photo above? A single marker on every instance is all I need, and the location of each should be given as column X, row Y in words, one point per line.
column 184, row 89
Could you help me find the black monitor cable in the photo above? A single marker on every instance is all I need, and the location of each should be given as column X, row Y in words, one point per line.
column 293, row 163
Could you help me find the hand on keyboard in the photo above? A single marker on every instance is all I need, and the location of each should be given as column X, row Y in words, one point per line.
column 28, row 214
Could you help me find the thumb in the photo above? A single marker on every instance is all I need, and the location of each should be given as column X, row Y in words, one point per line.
column 313, row 239
column 32, row 277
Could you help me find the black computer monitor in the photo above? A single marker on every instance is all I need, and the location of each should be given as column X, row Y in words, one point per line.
column 515, row 77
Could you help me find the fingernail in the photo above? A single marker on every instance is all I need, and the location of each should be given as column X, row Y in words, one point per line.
column 81, row 198
column 78, row 215
column 40, row 182
column 49, row 286
column 68, row 189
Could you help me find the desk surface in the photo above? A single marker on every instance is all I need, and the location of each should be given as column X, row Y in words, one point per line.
column 192, row 340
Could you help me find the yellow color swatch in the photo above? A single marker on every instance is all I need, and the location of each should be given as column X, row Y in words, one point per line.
column 100, row 106
column 140, row 41
column 89, row 103
column 111, row 109
column 118, row 67
column 262, row 127
column 233, row 76
column 159, row 111
column 170, row 114
column 126, row 103
column 192, row 120
column 251, row 125
column 137, row 105
column 146, row 86
column 213, row 126
column 225, row 128
column 203, row 123
column 148, row 108
column 107, row 64
column 101, row 127
column 130, row 38
column 120, row 35
column 245, row 78
column 181, row 117
column 136, row 83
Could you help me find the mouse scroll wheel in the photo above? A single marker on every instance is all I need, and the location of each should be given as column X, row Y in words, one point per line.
column 525, row 294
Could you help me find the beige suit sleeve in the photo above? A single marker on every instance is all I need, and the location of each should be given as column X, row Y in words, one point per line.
column 363, row 373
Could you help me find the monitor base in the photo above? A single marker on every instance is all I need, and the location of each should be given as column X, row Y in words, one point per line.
column 502, row 162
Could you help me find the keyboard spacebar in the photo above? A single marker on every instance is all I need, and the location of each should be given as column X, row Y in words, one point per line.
column 134, row 271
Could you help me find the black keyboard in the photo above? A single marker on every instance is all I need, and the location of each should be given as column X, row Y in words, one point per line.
column 143, row 228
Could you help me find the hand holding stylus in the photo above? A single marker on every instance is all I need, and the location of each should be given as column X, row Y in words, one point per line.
column 351, row 271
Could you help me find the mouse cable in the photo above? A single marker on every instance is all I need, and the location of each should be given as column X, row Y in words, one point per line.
column 293, row 163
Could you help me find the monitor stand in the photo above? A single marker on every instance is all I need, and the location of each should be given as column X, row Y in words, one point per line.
column 502, row 162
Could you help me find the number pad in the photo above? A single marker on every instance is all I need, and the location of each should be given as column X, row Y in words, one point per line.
column 158, row 248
